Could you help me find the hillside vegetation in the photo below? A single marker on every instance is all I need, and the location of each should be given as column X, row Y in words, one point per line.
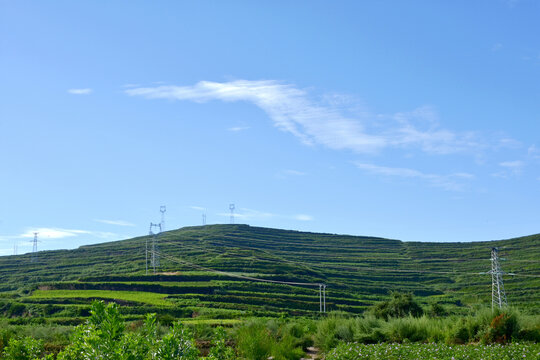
column 358, row 272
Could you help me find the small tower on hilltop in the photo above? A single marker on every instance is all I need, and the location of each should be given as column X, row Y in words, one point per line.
column 34, row 248
column 231, row 208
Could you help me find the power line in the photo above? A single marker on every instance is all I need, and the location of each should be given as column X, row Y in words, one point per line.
column 183, row 262
column 309, row 266
column 322, row 287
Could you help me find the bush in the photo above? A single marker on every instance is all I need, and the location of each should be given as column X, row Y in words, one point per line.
column 104, row 337
column 16, row 309
column 177, row 344
column 287, row 349
column 254, row 341
column 368, row 330
column 437, row 310
column 219, row 350
column 23, row 349
column 399, row 305
column 503, row 328
column 406, row 329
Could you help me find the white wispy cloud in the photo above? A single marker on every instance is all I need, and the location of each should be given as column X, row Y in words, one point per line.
column 53, row 233
column 509, row 143
column 516, row 164
column 452, row 182
column 324, row 122
column 84, row 91
column 250, row 214
column 497, row 47
column 303, row 217
column 50, row 236
column 199, row 208
column 288, row 173
column 510, row 168
column 294, row 172
column 238, row 128
column 58, row 233
column 534, row 152
column 244, row 214
column 114, row 222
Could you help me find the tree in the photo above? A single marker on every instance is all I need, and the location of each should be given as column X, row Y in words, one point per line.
column 399, row 305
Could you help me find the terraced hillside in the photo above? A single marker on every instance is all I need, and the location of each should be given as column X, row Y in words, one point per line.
column 208, row 273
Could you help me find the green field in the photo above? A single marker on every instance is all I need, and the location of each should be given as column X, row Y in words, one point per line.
column 358, row 271
column 131, row 296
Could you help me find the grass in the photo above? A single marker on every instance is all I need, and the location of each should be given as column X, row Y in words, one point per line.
column 359, row 272
column 131, row 296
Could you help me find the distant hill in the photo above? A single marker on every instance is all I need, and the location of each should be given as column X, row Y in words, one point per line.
column 358, row 272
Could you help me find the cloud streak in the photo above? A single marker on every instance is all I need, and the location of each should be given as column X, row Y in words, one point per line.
column 199, row 208
column 238, row 128
column 317, row 122
column 452, row 182
column 244, row 214
column 510, row 168
column 115, row 222
column 58, row 233
column 85, row 91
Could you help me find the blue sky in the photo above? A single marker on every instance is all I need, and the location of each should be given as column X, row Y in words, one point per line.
column 414, row 120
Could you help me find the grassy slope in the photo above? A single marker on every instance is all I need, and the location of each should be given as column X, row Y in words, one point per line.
column 357, row 270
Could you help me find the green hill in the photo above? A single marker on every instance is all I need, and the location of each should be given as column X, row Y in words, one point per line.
column 202, row 274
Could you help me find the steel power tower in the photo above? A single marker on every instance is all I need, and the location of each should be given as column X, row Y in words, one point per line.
column 154, row 258
column 498, row 296
column 34, row 248
column 322, row 298
column 162, row 210
column 231, row 208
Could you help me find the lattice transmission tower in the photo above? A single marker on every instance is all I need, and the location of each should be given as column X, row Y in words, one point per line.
column 34, row 247
column 498, row 296
column 162, row 210
column 154, row 252
column 231, row 208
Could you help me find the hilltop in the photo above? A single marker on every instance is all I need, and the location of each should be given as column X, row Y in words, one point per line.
column 358, row 272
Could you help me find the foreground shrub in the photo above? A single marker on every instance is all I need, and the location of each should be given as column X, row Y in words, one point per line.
column 103, row 337
column 177, row 344
column 326, row 336
column 254, row 341
column 23, row 349
column 220, row 350
column 258, row 340
column 406, row 329
column 503, row 328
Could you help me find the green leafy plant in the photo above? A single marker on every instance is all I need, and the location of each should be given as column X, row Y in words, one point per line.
column 399, row 305
column 220, row 350
column 26, row 348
